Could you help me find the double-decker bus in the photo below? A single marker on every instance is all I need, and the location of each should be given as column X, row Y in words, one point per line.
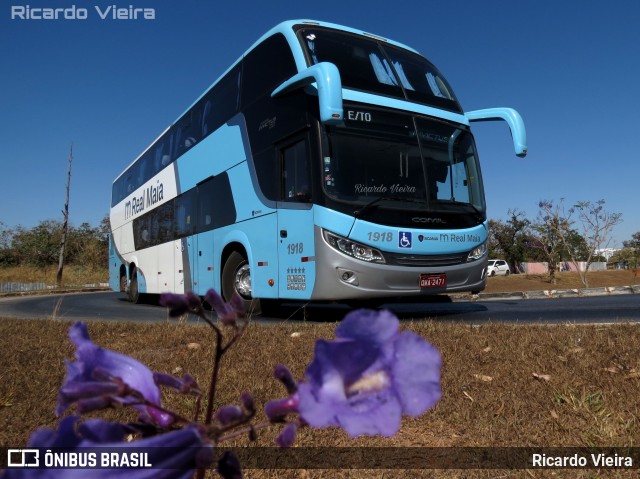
column 327, row 163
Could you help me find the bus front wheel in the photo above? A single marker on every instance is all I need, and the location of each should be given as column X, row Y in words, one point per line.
column 236, row 278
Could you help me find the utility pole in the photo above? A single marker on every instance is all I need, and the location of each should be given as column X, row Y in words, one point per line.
column 65, row 224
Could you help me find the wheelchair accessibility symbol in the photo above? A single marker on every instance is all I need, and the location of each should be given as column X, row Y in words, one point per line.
column 404, row 240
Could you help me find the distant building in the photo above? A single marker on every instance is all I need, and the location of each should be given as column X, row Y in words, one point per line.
column 607, row 252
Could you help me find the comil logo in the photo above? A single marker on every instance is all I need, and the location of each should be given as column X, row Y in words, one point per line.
column 23, row 458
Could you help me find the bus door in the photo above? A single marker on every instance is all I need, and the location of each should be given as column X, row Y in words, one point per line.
column 192, row 249
column 296, row 249
column 203, row 263
column 200, row 247
column 181, row 267
column 208, row 209
column 186, row 246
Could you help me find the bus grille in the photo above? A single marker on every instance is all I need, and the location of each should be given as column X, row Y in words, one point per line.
column 427, row 260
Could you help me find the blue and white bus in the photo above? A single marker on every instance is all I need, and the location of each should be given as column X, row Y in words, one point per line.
column 327, row 163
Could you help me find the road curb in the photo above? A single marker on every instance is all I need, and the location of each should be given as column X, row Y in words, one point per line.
column 543, row 294
column 43, row 292
column 549, row 293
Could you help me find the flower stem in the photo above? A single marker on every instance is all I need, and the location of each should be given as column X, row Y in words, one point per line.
column 244, row 430
column 214, row 375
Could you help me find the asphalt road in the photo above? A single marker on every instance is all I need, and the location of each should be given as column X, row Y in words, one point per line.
column 108, row 306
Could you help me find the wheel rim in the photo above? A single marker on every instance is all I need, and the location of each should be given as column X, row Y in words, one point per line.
column 242, row 281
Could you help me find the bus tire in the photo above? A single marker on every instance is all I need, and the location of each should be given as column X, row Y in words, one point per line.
column 133, row 293
column 123, row 282
column 236, row 278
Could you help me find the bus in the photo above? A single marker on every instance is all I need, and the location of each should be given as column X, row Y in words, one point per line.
column 326, row 163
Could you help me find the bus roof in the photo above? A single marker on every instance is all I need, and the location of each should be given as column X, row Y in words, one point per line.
column 287, row 29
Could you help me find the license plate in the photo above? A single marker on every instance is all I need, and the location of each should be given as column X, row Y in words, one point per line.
column 433, row 280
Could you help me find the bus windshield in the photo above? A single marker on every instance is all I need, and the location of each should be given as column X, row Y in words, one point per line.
column 379, row 67
column 397, row 161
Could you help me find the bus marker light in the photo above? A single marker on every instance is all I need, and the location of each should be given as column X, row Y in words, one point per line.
column 271, row 282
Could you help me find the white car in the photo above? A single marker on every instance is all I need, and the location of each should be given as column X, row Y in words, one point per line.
column 498, row 266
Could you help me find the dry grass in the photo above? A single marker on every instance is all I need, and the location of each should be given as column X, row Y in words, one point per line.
column 586, row 392
column 71, row 274
column 567, row 280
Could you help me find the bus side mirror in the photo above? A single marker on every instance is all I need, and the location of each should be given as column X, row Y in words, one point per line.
column 513, row 119
column 327, row 79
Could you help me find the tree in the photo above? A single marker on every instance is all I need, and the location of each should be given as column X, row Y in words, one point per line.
column 547, row 241
column 38, row 246
column 7, row 255
column 509, row 239
column 65, row 223
column 88, row 246
column 594, row 222
column 633, row 245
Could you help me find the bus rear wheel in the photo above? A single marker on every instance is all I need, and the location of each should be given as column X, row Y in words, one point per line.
column 236, row 278
column 133, row 293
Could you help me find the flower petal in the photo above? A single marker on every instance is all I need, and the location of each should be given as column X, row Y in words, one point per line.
column 316, row 412
column 416, row 373
column 93, row 363
column 369, row 326
column 287, row 437
column 348, row 359
column 382, row 418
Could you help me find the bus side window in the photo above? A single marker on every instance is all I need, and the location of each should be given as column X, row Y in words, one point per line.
column 185, row 214
column 141, row 232
column 220, row 103
column 188, row 132
column 266, row 67
column 296, row 184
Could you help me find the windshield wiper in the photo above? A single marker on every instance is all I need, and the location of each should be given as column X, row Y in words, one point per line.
column 374, row 203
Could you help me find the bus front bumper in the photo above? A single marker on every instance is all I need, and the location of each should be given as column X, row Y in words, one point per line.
column 341, row 277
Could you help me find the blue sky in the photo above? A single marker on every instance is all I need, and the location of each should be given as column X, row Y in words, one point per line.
column 572, row 70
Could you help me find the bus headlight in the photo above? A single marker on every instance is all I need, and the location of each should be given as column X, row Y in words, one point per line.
column 353, row 249
column 477, row 252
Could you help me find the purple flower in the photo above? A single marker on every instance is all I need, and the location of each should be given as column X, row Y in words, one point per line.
column 179, row 304
column 277, row 409
column 288, row 435
column 248, row 402
column 369, row 376
column 100, row 377
column 186, row 385
column 174, row 454
column 226, row 312
column 229, row 414
column 283, row 374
